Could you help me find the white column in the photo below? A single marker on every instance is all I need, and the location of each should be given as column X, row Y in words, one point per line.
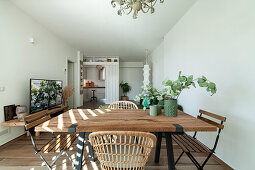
column 146, row 75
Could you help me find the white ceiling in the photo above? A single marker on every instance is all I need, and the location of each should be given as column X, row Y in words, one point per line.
column 94, row 27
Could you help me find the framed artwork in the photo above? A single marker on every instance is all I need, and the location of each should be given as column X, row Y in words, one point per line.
column 9, row 112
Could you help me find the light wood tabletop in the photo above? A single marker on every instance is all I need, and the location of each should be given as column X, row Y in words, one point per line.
column 86, row 120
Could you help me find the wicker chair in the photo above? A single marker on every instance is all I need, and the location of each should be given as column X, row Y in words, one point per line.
column 117, row 150
column 123, row 105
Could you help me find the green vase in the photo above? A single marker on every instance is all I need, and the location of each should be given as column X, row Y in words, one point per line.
column 159, row 107
column 153, row 110
column 170, row 108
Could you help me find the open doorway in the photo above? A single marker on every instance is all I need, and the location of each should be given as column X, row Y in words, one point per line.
column 70, row 81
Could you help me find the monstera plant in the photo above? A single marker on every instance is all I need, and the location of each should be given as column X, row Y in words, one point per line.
column 173, row 89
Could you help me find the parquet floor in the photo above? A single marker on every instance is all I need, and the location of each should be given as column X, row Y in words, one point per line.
column 19, row 155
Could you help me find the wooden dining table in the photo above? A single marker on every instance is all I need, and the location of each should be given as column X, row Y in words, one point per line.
column 85, row 121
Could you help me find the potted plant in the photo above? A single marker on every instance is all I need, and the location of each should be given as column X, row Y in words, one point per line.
column 149, row 97
column 174, row 88
column 125, row 88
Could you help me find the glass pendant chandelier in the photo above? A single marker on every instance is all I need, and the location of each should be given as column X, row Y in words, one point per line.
column 127, row 6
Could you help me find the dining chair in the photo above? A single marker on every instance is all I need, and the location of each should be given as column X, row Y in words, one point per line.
column 123, row 105
column 118, row 150
column 60, row 143
column 189, row 144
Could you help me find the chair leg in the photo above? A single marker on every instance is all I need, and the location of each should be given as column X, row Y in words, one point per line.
column 179, row 157
column 208, row 157
column 91, row 151
column 58, row 156
column 191, row 157
column 48, row 166
column 73, row 164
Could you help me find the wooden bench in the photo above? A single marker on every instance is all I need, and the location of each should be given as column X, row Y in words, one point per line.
column 18, row 123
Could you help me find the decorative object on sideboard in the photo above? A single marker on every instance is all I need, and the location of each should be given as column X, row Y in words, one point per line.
column 127, row 7
column 9, row 112
column 67, row 92
column 21, row 112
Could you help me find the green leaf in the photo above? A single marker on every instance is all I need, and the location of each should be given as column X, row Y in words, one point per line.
column 190, row 78
column 200, row 80
column 213, row 91
column 211, row 85
column 193, row 84
column 203, row 84
column 203, row 77
column 180, row 72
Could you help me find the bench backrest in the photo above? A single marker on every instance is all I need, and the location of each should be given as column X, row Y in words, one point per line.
column 212, row 115
column 36, row 119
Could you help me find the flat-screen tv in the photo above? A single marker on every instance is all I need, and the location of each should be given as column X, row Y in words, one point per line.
column 45, row 94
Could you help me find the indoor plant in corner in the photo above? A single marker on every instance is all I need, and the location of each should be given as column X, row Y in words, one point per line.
column 125, row 88
column 174, row 88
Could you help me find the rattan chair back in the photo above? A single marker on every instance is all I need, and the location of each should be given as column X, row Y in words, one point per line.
column 122, row 149
column 123, row 105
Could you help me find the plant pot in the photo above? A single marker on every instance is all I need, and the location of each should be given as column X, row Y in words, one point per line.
column 159, row 108
column 170, row 108
column 153, row 110
column 125, row 98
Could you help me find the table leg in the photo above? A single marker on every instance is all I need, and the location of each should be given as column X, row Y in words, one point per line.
column 170, row 153
column 79, row 154
column 158, row 147
column 91, row 151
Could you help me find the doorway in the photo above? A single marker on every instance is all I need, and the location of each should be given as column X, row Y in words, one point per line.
column 70, row 82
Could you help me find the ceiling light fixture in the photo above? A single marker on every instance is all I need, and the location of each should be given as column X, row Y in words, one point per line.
column 127, row 6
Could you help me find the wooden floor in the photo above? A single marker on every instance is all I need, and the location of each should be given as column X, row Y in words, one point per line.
column 19, row 155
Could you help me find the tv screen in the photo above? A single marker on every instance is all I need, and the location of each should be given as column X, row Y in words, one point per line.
column 44, row 94
column 55, row 92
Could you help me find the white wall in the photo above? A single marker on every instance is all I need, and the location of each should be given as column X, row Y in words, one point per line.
column 132, row 72
column 157, row 66
column 20, row 60
column 216, row 38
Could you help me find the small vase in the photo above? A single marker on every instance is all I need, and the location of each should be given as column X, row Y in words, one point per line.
column 153, row 110
column 159, row 107
column 170, row 108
